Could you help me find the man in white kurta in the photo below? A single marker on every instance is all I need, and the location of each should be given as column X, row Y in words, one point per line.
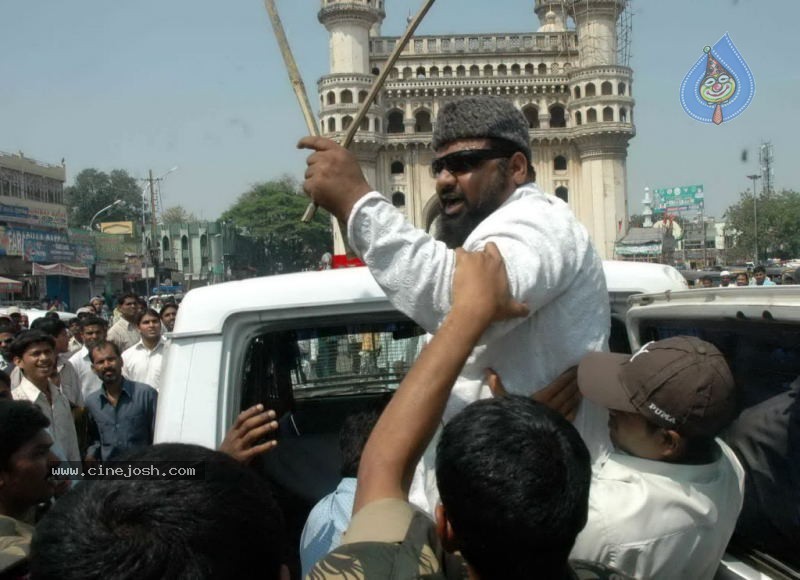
column 485, row 187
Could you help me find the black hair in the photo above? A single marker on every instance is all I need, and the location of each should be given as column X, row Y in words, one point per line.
column 20, row 421
column 126, row 296
column 706, row 279
column 8, row 325
column 100, row 344
column 514, row 478
column 225, row 524
column 168, row 305
column 146, row 312
column 25, row 339
column 51, row 314
column 353, row 437
column 93, row 321
column 51, row 326
column 758, row 269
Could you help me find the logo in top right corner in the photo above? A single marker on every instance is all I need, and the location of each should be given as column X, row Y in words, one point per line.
column 719, row 86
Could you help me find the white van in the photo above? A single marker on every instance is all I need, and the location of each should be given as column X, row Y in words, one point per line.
column 318, row 346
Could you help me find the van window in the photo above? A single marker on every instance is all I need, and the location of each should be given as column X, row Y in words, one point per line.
column 285, row 366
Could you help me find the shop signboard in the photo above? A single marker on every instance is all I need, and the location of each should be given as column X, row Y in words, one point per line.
column 34, row 214
column 41, row 251
column 13, row 239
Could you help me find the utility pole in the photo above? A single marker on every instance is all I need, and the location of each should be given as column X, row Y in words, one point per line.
column 755, row 177
column 154, row 243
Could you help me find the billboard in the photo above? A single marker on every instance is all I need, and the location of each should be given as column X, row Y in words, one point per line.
column 117, row 228
column 678, row 198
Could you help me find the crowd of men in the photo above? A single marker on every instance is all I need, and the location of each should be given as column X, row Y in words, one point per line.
column 97, row 389
column 562, row 461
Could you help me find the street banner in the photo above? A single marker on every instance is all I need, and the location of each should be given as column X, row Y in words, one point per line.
column 679, row 198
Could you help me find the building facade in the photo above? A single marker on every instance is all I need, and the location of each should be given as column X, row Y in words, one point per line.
column 36, row 245
column 566, row 77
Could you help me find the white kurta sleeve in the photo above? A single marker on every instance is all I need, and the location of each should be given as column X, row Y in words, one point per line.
column 541, row 243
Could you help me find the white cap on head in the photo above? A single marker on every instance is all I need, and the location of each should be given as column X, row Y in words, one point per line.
column 725, row 273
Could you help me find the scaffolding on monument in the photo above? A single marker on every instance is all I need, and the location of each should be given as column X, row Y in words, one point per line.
column 624, row 29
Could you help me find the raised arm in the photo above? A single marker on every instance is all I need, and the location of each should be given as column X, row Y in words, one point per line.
column 407, row 425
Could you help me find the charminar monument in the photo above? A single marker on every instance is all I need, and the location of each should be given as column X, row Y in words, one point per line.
column 568, row 75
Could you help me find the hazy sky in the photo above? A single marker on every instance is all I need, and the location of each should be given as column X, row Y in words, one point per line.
column 200, row 84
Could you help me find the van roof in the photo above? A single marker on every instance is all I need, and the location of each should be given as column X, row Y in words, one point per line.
column 204, row 310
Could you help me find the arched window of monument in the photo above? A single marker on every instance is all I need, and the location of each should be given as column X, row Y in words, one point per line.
column 578, row 118
column 395, row 122
column 542, row 69
column 331, row 125
column 591, row 116
column 407, row 73
column 608, row 114
column 606, row 88
column 529, row 70
column 560, row 163
column 421, row 72
column 461, row 72
column 562, row 193
column 488, row 71
column 558, row 117
column 577, row 92
column 347, row 96
column 623, row 115
column 502, row 70
column 362, row 96
column 515, row 70
column 423, row 122
column 621, row 89
column 364, row 126
column 331, row 98
column 447, row 72
column 397, row 168
column 347, row 120
column 474, row 71
column 591, row 90
column 434, row 72
column 532, row 115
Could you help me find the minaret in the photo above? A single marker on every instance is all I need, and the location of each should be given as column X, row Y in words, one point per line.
column 350, row 24
column 601, row 109
column 648, row 211
column 552, row 15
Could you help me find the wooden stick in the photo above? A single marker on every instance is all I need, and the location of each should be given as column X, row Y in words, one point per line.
column 300, row 89
column 291, row 68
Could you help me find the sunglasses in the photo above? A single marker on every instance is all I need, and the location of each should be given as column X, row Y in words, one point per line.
column 466, row 160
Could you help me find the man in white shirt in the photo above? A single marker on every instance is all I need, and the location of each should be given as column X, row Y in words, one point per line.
column 124, row 332
column 486, row 191
column 34, row 353
column 142, row 361
column 93, row 329
column 664, row 503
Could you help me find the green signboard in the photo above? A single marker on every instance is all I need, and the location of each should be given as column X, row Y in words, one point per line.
column 679, row 198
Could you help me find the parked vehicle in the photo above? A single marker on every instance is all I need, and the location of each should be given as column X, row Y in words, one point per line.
column 318, row 346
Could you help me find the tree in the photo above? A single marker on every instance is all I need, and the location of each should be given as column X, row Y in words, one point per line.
column 269, row 213
column 778, row 225
column 177, row 214
column 93, row 190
